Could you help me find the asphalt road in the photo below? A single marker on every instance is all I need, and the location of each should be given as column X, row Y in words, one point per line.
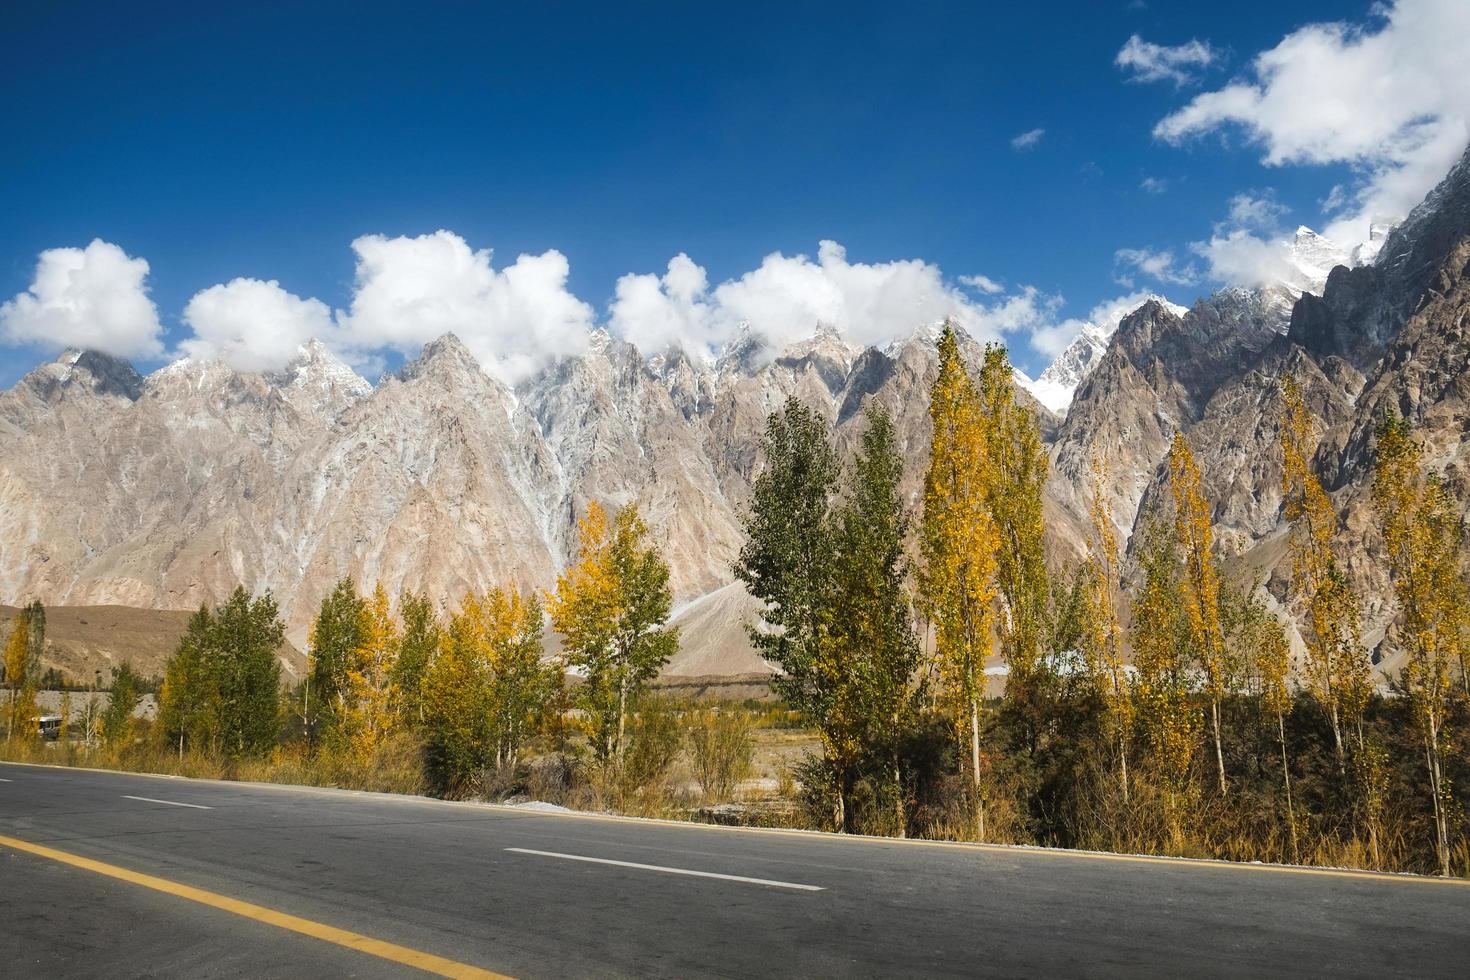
column 534, row 894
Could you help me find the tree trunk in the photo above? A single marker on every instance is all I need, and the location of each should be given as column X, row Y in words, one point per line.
column 1441, row 819
column 622, row 714
column 898, row 796
column 975, row 767
column 1123, row 766
column 1337, row 741
column 1219, row 750
column 1286, row 780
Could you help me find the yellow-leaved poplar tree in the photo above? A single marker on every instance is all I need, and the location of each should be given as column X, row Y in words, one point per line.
column 1337, row 667
column 1200, row 585
column 372, row 697
column 1423, row 535
column 1160, row 639
column 610, row 607
column 22, row 661
column 1101, row 639
column 1017, row 465
column 958, row 543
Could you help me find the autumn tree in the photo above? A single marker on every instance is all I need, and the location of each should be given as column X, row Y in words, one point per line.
column 610, row 607
column 521, row 684
column 23, row 667
column 1017, row 465
column 1423, row 535
column 1265, row 656
column 1160, row 637
column 1101, row 637
column 958, row 543
column 370, row 702
column 1200, row 585
column 486, row 685
column 1337, row 668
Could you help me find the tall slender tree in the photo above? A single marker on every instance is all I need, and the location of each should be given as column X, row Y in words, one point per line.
column 371, row 700
column 1337, row 666
column 521, row 685
column 1101, row 637
column 416, row 648
column 188, row 702
column 1200, row 584
column 23, row 667
column 335, row 634
column 611, row 607
column 1160, row 639
column 959, row 542
column 873, row 626
column 1423, row 535
column 789, row 563
column 1017, row 466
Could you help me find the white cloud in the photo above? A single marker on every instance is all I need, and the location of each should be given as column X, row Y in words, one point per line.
column 1156, row 265
column 1148, row 62
column 514, row 320
column 95, row 298
column 1154, row 185
column 253, row 325
column 654, row 312
column 1256, row 210
column 985, row 284
column 787, row 296
column 1391, row 98
column 1248, row 247
column 1027, row 140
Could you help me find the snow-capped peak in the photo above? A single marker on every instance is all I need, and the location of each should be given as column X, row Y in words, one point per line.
column 1056, row 385
column 1309, row 257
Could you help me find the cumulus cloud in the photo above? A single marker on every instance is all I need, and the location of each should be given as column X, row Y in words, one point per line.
column 410, row 290
column 94, row 297
column 1153, row 185
column 253, row 325
column 785, row 297
column 1151, row 264
column 514, row 320
column 1027, row 140
column 1390, row 98
column 1248, row 247
column 655, row 312
column 1145, row 61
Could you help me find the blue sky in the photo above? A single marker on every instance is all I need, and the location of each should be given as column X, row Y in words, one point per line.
column 261, row 140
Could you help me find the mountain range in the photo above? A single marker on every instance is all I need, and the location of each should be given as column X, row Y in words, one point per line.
column 165, row 491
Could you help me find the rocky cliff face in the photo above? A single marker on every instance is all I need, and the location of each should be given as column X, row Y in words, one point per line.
column 169, row 490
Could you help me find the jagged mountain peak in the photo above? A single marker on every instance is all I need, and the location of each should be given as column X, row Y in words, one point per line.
column 1413, row 247
column 743, row 354
column 88, row 371
column 316, row 364
column 1057, row 384
column 443, row 356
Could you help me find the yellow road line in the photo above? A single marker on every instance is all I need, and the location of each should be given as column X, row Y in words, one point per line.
column 427, row 962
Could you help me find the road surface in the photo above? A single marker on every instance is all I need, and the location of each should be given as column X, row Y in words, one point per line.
column 116, row 875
